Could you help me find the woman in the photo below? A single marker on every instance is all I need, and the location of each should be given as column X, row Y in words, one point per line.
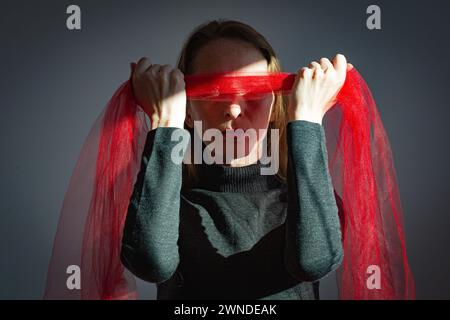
column 252, row 226
column 211, row 231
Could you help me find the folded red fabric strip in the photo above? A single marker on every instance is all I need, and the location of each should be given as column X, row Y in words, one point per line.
column 221, row 86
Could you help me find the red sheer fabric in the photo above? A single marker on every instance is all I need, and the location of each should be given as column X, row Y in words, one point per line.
column 95, row 205
column 363, row 174
column 361, row 166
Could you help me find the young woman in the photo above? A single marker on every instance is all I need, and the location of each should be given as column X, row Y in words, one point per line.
column 212, row 231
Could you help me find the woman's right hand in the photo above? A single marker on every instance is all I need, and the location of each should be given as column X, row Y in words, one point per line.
column 160, row 91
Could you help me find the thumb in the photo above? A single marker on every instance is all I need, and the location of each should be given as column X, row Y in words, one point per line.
column 340, row 64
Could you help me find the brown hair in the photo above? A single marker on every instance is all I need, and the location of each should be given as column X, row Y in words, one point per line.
column 230, row 29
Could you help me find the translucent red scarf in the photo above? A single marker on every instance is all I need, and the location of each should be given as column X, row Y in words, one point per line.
column 360, row 162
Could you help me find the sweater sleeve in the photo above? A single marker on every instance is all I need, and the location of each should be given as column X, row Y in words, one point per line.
column 313, row 236
column 149, row 243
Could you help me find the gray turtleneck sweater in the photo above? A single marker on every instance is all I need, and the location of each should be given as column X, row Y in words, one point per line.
column 238, row 234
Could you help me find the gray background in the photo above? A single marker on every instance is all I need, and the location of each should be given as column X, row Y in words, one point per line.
column 54, row 83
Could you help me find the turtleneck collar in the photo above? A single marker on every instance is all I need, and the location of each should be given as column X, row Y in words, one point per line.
column 217, row 177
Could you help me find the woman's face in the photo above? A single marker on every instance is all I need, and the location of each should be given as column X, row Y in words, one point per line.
column 224, row 55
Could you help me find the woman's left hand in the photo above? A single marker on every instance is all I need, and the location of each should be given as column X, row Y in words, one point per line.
column 316, row 87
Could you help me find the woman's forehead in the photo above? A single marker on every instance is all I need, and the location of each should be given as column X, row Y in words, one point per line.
column 224, row 55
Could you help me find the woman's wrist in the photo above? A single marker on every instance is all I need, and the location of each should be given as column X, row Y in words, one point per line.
column 169, row 123
column 306, row 116
column 157, row 122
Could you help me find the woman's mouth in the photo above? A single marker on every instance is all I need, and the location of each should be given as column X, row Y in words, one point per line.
column 230, row 132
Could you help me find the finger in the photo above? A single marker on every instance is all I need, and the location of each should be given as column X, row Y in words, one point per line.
column 164, row 78
column 326, row 64
column 301, row 74
column 317, row 70
column 143, row 64
column 177, row 76
column 164, row 71
column 314, row 65
column 340, row 63
column 305, row 72
column 153, row 70
column 349, row 66
column 152, row 74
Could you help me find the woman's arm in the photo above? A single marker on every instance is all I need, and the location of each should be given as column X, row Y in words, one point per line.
column 313, row 235
column 149, row 243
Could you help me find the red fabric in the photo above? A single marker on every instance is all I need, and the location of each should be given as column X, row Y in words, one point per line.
column 361, row 166
column 223, row 85
column 363, row 174
column 95, row 205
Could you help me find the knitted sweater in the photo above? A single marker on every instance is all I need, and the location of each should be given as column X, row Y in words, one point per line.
column 238, row 234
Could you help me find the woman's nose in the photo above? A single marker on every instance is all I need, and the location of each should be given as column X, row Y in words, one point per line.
column 233, row 108
column 233, row 111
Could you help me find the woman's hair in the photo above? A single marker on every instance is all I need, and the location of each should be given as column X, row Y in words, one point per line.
column 229, row 29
